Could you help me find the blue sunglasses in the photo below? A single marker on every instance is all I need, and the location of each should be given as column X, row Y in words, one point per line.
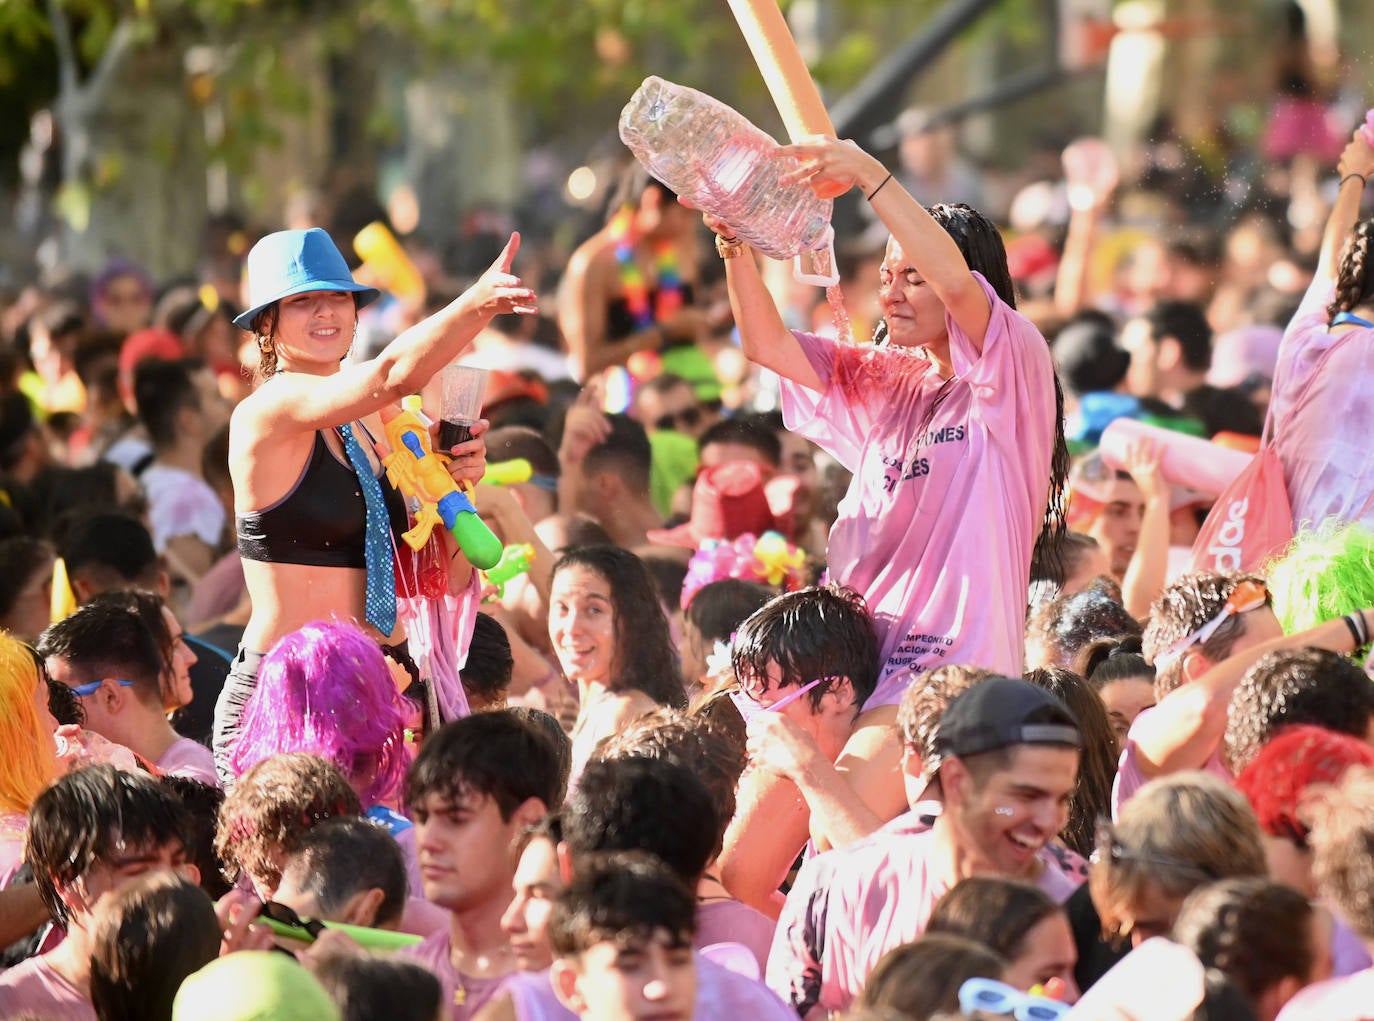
column 993, row 997
column 82, row 690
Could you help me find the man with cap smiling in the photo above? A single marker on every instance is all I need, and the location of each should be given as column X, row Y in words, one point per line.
column 1004, row 763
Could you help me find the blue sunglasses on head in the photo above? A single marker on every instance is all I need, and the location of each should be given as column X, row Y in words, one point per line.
column 82, row 690
column 993, row 997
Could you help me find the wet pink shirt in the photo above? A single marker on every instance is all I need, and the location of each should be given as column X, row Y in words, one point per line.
column 35, row 987
column 722, row 995
column 1130, row 777
column 464, row 995
column 851, row 906
column 1323, row 417
column 189, row 759
column 951, row 480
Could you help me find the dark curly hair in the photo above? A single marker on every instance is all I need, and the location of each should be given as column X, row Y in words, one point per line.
column 1182, row 608
column 1288, row 686
column 1354, row 281
column 1252, row 929
column 645, row 658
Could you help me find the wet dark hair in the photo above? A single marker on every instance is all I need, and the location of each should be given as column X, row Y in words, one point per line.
column 624, row 452
column 1186, row 322
column 21, row 558
column 1354, row 281
column 497, row 754
column 345, row 856
column 995, row 911
column 1112, row 659
column 691, row 741
column 813, row 633
column 753, row 431
column 1254, row 930
column 487, row 672
column 920, row 979
column 202, row 803
column 162, row 388
column 92, row 814
column 366, row 986
column 150, row 935
column 645, row 658
column 1092, row 789
column 643, row 804
column 1088, row 355
column 549, row 726
column 105, row 639
column 1068, row 623
column 1290, row 686
column 1183, row 607
column 619, row 896
column 719, row 607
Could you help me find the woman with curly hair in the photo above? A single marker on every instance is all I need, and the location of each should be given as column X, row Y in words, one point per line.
column 612, row 640
column 1321, row 413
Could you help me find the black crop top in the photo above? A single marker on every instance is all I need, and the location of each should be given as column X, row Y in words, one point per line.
column 620, row 322
column 321, row 521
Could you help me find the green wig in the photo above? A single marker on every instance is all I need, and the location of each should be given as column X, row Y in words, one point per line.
column 1326, row 573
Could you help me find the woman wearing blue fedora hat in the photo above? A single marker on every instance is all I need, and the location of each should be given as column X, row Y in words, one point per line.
column 311, row 510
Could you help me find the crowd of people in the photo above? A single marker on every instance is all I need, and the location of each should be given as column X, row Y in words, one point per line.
column 820, row 676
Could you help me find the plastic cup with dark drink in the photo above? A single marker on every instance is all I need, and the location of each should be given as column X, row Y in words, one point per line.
column 461, row 388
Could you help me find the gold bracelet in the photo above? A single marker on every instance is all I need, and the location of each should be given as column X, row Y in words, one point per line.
column 729, row 248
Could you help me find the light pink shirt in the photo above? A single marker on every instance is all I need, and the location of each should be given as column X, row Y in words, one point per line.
column 1130, row 777
column 1323, row 417
column 1338, row 999
column 732, row 921
column 189, row 759
column 851, row 906
column 436, row 954
column 35, row 987
column 722, row 995
column 950, row 485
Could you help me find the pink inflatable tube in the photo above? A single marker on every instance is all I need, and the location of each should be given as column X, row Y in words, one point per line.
column 1188, row 461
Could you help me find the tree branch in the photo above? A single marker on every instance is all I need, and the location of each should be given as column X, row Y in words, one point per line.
column 66, row 54
column 121, row 44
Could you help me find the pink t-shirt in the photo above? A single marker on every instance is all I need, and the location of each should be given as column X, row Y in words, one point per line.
column 1130, row 777
column 1338, row 999
column 732, row 921
column 35, row 987
column 1322, row 416
column 189, row 759
column 851, row 906
column 721, row 994
column 950, row 485
column 464, row 995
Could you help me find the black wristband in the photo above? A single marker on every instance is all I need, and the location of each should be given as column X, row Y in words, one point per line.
column 1363, row 180
column 879, row 188
column 1359, row 631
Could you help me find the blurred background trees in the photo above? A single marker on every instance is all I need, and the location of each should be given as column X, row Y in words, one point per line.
column 133, row 126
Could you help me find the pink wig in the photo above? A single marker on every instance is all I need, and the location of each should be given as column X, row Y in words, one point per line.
column 326, row 690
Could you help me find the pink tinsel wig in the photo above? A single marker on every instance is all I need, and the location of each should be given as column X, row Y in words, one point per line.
column 326, row 690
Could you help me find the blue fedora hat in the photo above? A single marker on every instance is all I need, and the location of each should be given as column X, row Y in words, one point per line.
column 293, row 262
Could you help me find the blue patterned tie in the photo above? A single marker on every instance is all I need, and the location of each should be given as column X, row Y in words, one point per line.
column 380, row 601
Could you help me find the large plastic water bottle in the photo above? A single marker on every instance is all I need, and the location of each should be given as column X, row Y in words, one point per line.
column 715, row 158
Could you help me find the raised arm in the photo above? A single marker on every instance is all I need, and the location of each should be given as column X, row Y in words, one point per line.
column 926, row 245
column 1186, row 727
column 764, row 336
column 403, row 366
column 1355, row 168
